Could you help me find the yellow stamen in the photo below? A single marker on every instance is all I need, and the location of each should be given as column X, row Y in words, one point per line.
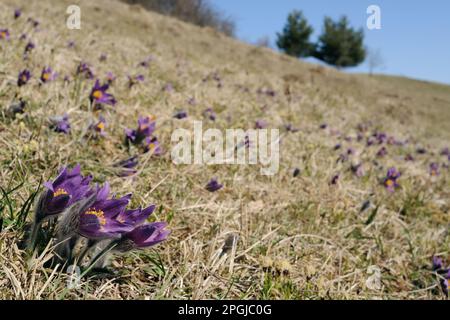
column 46, row 76
column 24, row 78
column 97, row 94
column 389, row 183
column 3, row 34
column 99, row 214
column 59, row 192
column 101, row 126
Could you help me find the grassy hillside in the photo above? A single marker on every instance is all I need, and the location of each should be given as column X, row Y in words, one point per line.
column 297, row 237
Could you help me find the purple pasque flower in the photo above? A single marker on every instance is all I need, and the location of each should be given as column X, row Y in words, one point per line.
column 260, row 124
column 358, row 169
column 146, row 127
column 29, row 47
column 109, row 218
column 4, row 34
column 69, row 187
column 47, row 75
column 409, row 157
column 143, row 236
column 445, row 152
column 168, row 87
column 135, row 80
column 180, row 114
column 335, row 179
column 71, row 44
column 100, row 96
column 99, row 220
column 421, row 150
column 103, row 57
column 191, row 101
column 84, row 69
column 135, row 217
column 380, row 137
column 390, row 182
column 434, row 169
column 23, row 78
column 110, row 77
column 382, row 152
column 145, row 63
column 127, row 166
column 213, row 185
column 210, row 114
column 290, row 128
column 99, row 127
column 438, row 263
column 17, row 13
column 60, row 124
column 34, row 22
column 152, row 145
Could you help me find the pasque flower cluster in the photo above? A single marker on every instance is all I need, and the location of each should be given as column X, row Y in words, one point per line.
column 80, row 210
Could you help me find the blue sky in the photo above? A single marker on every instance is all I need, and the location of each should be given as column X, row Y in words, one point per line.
column 414, row 39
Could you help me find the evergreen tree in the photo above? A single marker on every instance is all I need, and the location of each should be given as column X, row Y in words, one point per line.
column 294, row 39
column 340, row 45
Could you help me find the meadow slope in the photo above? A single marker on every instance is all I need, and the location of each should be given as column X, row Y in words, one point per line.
column 300, row 237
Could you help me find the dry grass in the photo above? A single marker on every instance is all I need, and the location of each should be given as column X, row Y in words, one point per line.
column 297, row 238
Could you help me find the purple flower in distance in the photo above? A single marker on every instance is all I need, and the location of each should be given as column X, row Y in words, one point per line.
column 323, row 126
column 434, row 169
column 390, row 182
column 127, row 166
column 210, row 114
column 135, row 80
column 260, row 124
column 69, row 187
column 4, row 34
column 180, row 115
column 60, row 124
column 290, row 128
column 191, row 101
column 71, row 44
column 144, row 236
column 445, row 152
column 213, row 185
column 358, row 170
column 152, row 145
column 99, row 127
column 34, row 22
column 23, row 78
column 421, row 150
column 110, row 77
column 382, row 152
column 335, row 179
column 409, row 157
column 84, row 69
column 102, row 57
column 168, row 87
column 29, row 47
column 17, row 13
column 100, row 96
column 47, row 75
column 438, row 264
column 146, row 127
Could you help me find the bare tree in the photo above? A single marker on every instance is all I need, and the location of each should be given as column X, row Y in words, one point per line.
column 375, row 60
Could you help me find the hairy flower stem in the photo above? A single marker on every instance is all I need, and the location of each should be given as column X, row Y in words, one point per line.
column 89, row 245
column 94, row 260
column 34, row 235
